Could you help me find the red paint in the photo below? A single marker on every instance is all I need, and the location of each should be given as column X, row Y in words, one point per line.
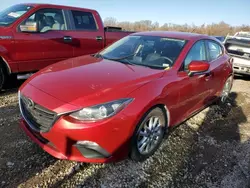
column 30, row 52
column 86, row 81
column 198, row 66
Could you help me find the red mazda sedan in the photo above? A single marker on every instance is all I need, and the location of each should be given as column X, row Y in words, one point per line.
column 121, row 101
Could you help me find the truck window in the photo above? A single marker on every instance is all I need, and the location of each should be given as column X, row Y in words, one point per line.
column 84, row 20
column 47, row 19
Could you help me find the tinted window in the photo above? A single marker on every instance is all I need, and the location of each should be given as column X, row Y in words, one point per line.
column 197, row 52
column 84, row 20
column 150, row 51
column 214, row 50
column 47, row 19
column 11, row 14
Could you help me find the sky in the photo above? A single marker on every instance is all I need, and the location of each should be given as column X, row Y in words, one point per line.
column 198, row 12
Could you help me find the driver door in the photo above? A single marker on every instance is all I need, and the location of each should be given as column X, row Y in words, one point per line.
column 194, row 90
column 36, row 50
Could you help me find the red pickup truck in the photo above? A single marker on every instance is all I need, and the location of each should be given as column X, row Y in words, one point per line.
column 33, row 36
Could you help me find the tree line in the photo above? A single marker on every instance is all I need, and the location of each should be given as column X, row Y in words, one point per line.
column 220, row 29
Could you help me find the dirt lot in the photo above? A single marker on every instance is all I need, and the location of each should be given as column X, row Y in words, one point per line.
column 212, row 149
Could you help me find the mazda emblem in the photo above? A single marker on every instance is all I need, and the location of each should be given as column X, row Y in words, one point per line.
column 30, row 104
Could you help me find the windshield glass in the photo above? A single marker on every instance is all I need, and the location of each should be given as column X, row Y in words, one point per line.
column 151, row 51
column 11, row 14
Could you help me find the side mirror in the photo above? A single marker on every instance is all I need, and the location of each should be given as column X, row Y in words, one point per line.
column 198, row 67
column 29, row 27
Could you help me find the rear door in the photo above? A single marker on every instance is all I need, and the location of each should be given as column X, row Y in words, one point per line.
column 35, row 51
column 219, row 67
column 87, row 32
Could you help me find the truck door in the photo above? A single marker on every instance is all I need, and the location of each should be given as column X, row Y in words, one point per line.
column 48, row 45
column 87, row 32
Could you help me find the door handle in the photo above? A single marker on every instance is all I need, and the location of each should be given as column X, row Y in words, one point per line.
column 67, row 39
column 208, row 75
column 99, row 38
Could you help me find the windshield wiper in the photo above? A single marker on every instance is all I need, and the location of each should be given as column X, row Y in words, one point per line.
column 121, row 58
column 98, row 55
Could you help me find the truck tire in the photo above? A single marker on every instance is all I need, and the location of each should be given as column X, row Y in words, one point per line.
column 2, row 76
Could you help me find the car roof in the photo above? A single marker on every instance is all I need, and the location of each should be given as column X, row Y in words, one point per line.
column 57, row 6
column 175, row 34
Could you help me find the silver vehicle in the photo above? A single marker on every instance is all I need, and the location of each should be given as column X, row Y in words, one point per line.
column 238, row 46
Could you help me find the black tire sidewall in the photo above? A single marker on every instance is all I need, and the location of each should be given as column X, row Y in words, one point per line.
column 2, row 77
column 134, row 153
column 220, row 102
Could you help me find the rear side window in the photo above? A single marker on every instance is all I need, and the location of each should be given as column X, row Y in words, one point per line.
column 214, row 50
column 84, row 20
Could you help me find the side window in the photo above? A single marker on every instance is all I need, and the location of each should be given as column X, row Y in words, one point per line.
column 84, row 20
column 47, row 19
column 197, row 52
column 214, row 50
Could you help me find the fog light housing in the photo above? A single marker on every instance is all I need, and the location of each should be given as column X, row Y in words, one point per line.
column 91, row 150
column 87, row 143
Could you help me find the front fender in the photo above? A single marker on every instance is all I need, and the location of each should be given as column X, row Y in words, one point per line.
column 7, row 50
column 6, row 64
column 158, row 92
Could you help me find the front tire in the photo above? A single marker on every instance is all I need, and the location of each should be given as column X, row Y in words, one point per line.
column 2, row 76
column 148, row 135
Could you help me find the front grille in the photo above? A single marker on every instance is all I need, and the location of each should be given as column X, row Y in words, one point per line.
column 38, row 117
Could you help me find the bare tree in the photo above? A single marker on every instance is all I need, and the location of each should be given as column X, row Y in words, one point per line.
column 110, row 21
column 220, row 28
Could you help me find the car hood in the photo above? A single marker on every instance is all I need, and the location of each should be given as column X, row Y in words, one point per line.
column 86, row 80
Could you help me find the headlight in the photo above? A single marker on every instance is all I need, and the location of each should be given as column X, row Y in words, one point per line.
column 101, row 111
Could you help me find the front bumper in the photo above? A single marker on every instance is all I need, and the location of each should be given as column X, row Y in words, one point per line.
column 62, row 141
column 241, row 66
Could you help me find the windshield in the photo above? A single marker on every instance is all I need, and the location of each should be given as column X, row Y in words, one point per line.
column 151, row 51
column 11, row 14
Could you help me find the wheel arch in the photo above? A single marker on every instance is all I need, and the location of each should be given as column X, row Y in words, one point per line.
column 5, row 65
column 165, row 109
column 150, row 107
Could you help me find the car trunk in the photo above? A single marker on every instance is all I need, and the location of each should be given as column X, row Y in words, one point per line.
column 238, row 48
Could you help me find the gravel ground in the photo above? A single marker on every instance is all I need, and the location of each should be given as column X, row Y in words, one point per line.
column 212, row 149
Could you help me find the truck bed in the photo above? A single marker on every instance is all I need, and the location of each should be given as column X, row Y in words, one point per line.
column 113, row 34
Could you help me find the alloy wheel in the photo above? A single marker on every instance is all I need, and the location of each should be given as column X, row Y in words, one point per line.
column 149, row 135
column 226, row 90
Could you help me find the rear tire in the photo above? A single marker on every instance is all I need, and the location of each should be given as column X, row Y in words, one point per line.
column 2, row 76
column 226, row 91
column 148, row 135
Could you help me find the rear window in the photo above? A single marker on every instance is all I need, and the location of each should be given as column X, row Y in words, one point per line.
column 84, row 20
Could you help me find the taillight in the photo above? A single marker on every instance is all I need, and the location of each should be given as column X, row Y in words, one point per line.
column 231, row 60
